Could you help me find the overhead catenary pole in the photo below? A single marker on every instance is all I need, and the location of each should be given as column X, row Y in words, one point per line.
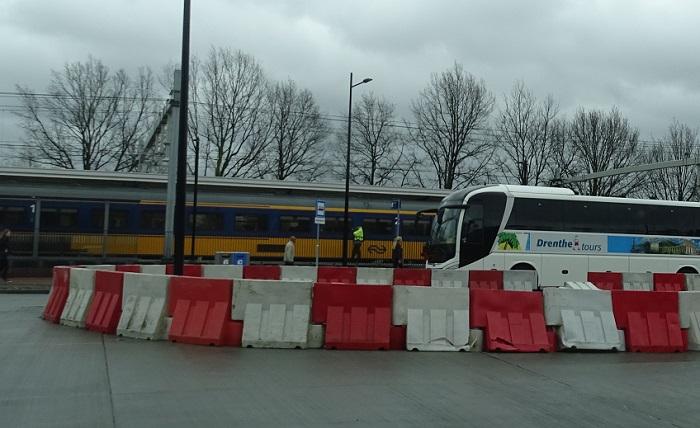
column 181, row 186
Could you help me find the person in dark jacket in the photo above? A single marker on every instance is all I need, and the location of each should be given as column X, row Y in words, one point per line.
column 397, row 252
column 4, row 252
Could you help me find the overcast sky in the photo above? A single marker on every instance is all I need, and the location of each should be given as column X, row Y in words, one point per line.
column 638, row 55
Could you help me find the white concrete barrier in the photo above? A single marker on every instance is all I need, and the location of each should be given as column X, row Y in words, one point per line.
column 449, row 278
column 100, row 267
column 689, row 313
column 437, row 319
column 317, row 333
column 299, row 273
column 275, row 314
column 640, row 281
column 580, row 285
column 222, row 271
column 82, row 286
column 276, row 325
column 584, row 317
column 375, row 276
column 268, row 291
column 153, row 269
column 692, row 281
column 520, row 280
column 144, row 307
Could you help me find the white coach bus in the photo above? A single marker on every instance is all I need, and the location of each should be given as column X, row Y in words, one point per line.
column 562, row 235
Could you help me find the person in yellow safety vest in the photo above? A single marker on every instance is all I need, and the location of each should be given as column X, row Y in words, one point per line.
column 358, row 236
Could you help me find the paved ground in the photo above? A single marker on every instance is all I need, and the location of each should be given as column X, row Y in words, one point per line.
column 59, row 376
column 26, row 285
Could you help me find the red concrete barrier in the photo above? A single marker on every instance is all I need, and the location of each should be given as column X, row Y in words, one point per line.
column 129, row 268
column 338, row 275
column 650, row 320
column 59, row 294
column 201, row 310
column 486, row 279
column 356, row 317
column 262, row 272
column 397, row 339
column 187, row 270
column 669, row 282
column 106, row 306
column 513, row 321
column 410, row 276
column 606, row 280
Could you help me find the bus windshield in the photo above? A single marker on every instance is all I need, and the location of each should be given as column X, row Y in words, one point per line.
column 444, row 235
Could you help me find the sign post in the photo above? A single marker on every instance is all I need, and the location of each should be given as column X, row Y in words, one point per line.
column 396, row 204
column 319, row 219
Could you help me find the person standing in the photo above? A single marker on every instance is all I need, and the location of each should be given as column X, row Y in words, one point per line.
column 397, row 253
column 4, row 252
column 358, row 236
column 289, row 251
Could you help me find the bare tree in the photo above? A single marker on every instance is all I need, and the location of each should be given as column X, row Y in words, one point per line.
column 603, row 141
column 377, row 150
column 448, row 113
column 229, row 90
column 298, row 132
column 562, row 151
column 524, row 133
column 89, row 119
column 678, row 183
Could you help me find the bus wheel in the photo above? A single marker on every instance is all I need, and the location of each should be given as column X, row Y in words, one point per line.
column 687, row 269
column 523, row 266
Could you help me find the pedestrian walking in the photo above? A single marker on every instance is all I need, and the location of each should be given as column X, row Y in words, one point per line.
column 4, row 252
column 397, row 252
column 358, row 235
column 289, row 251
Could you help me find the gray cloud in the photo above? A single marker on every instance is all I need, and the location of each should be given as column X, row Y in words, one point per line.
column 638, row 55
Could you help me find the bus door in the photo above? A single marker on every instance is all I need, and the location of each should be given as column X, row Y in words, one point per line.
column 482, row 218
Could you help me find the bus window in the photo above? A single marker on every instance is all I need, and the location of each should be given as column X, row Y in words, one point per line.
column 585, row 216
column 536, row 214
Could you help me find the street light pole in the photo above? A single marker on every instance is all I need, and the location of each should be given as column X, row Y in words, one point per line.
column 181, row 184
column 346, row 221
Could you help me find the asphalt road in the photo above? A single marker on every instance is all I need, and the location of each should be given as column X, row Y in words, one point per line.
column 54, row 376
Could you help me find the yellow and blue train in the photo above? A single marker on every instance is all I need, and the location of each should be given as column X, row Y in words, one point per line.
column 57, row 213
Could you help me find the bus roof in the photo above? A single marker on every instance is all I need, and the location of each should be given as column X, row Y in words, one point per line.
column 519, row 191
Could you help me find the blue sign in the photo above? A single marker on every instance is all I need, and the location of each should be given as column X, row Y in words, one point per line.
column 396, row 204
column 320, row 212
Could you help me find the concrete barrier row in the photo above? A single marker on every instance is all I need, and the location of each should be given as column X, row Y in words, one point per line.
column 289, row 314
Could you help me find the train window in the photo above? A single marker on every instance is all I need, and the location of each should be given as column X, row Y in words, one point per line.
column 153, row 220
column 59, row 217
column 333, row 225
column 250, row 223
column 11, row 216
column 118, row 219
column 413, row 227
column 208, row 221
column 378, row 226
column 292, row 223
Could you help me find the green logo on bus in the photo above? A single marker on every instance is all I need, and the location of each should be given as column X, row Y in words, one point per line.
column 508, row 241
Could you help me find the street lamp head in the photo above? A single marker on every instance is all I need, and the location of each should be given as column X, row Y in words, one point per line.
column 367, row 80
